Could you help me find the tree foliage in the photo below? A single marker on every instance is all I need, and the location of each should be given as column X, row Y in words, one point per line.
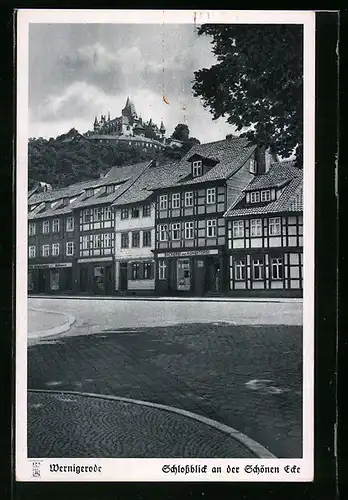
column 181, row 132
column 257, row 83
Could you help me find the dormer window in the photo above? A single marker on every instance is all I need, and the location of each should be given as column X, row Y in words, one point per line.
column 265, row 195
column 255, row 197
column 197, row 168
column 110, row 189
column 253, row 166
column 89, row 192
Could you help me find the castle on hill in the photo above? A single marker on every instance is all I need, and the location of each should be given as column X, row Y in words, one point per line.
column 130, row 129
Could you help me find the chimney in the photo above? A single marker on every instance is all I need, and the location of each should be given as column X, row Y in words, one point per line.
column 229, row 136
column 260, row 157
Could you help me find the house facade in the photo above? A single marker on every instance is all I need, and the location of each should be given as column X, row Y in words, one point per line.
column 190, row 250
column 265, row 234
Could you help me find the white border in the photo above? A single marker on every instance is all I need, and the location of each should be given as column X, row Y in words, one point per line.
column 151, row 469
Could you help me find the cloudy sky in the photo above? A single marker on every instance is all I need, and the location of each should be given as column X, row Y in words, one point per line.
column 78, row 71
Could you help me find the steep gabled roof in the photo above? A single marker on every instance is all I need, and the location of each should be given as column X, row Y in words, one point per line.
column 231, row 154
column 282, row 175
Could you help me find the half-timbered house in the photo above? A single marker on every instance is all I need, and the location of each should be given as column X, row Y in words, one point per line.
column 190, row 206
column 265, row 234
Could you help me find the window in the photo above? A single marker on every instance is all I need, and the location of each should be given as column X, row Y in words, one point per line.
column 46, row 226
column 85, row 216
column 124, row 213
column 265, row 195
column 197, row 168
column 163, row 232
column 107, row 213
column 239, row 270
column 257, row 269
column 163, row 202
column 176, row 200
column 189, row 230
column 162, row 269
column 146, row 210
column 146, row 238
column 45, row 250
column 211, row 228
column 148, row 270
column 136, row 239
column 70, row 224
column 238, row 229
column 89, row 192
column 189, row 199
column 211, row 195
column 70, row 248
column 96, row 241
column 97, row 214
column 176, row 231
column 124, row 240
column 256, row 227
column 107, row 240
column 277, row 268
column 110, row 189
column 55, row 225
column 85, row 242
column 255, row 197
column 135, row 213
column 253, row 166
column 32, row 252
column 55, row 249
column 274, row 226
column 135, row 271
column 32, row 229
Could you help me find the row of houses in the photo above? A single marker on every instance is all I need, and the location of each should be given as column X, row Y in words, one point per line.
column 225, row 219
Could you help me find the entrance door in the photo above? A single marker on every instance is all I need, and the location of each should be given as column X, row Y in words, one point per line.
column 99, row 279
column 183, row 275
column 123, row 277
column 84, row 279
column 108, row 280
column 42, row 281
column 213, row 275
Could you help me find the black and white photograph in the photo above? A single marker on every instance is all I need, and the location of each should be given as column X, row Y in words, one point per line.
column 165, row 245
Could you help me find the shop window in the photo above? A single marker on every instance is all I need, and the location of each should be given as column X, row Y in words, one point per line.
column 239, row 270
column 211, row 196
column 124, row 240
column 176, row 200
column 54, row 280
column 98, row 275
column 55, row 225
column 135, row 271
column 146, row 210
column 176, row 231
column 256, row 227
column 30, row 281
column 211, row 228
column 162, row 269
column 274, row 226
column 189, row 199
column 136, row 239
column 277, row 268
column 257, row 269
column 32, row 229
column 238, row 229
column 189, row 230
column 124, row 213
column 32, row 252
column 146, row 238
column 148, row 270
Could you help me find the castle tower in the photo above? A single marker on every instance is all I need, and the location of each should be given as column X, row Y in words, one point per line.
column 129, row 111
column 96, row 124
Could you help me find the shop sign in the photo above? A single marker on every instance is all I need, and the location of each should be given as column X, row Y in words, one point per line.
column 50, row 266
column 95, row 259
column 189, row 253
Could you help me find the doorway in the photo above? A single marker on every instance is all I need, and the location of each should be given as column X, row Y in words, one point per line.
column 123, row 277
column 183, row 275
column 84, row 279
column 213, row 275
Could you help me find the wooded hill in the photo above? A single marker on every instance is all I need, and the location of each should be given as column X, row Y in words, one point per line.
column 71, row 158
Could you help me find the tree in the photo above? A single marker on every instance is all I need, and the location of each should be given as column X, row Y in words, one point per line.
column 257, row 83
column 181, row 132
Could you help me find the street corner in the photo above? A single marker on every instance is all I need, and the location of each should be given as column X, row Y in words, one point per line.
column 47, row 323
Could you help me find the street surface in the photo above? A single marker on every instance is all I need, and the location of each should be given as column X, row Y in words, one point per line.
column 237, row 363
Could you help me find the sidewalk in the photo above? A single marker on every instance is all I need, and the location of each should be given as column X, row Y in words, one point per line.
column 74, row 425
column 42, row 323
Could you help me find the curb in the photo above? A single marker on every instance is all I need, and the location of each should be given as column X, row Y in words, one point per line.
column 173, row 299
column 253, row 446
column 51, row 331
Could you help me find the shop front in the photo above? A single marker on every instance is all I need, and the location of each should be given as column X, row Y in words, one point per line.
column 195, row 272
column 51, row 278
column 96, row 276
